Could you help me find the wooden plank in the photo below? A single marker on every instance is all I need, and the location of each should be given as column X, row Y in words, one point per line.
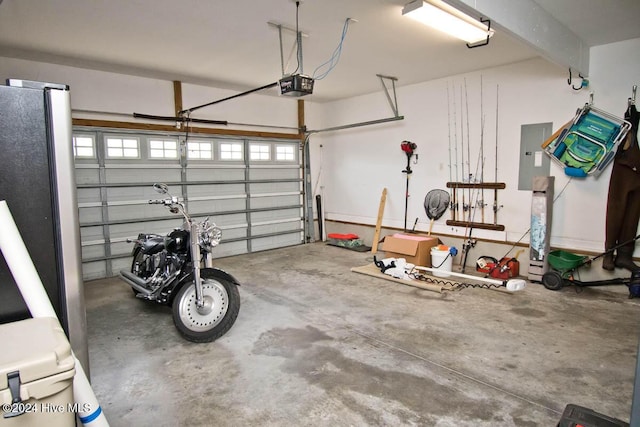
column 480, row 225
column 376, row 235
column 556, row 134
column 172, row 128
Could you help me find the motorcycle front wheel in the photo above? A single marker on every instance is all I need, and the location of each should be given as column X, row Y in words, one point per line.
column 215, row 318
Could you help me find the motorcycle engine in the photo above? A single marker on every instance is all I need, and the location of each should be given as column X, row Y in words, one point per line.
column 160, row 267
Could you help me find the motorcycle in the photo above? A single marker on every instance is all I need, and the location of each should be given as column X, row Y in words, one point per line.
column 167, row 269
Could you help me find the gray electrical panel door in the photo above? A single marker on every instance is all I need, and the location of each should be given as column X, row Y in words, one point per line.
column 533, row 160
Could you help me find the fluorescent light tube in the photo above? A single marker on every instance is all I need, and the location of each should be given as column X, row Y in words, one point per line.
column 447, row 19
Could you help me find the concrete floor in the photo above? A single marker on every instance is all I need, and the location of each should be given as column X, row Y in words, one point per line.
column 318, row 345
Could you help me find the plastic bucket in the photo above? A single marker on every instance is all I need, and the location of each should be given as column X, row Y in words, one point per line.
column 441, row 261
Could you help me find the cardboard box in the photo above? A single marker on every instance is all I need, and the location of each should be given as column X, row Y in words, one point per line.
column 415, row 248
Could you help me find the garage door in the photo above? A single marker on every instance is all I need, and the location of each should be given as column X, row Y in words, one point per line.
column 251, row 188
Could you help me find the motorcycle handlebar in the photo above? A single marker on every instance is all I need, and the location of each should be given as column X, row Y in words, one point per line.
column 175, row 206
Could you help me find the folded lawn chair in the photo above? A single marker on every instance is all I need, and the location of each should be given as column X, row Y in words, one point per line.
column 588, row 143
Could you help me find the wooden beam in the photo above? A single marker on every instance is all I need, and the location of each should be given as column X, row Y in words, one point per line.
column 169, row 128
column 177, row 96
column 301, row 125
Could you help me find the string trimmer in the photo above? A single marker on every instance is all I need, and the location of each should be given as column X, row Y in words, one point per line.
column 408, row 148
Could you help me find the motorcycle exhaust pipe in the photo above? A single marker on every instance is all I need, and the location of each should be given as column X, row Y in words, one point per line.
column 135, row 282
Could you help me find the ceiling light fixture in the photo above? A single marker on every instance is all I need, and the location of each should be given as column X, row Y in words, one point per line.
column 439, row 15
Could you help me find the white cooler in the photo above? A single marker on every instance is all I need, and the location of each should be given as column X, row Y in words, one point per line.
column 36, row 374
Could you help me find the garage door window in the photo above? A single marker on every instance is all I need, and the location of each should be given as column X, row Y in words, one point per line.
column 231, row 151
column 118, row 148
column 285, row 153
column 260, row 152
column 199, row 150
column 163, row 149
column 84, row 147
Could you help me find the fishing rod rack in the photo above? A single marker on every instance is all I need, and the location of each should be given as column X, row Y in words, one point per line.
column 475, row 186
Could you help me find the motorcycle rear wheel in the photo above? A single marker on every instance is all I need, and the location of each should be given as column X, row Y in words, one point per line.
column 222, row 304
column 138, row 259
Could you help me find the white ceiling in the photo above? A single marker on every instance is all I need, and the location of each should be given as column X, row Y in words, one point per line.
column 228, row 43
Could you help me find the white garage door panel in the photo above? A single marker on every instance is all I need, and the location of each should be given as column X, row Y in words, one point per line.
column 121, row 264
column 275, row 201
column 229, row 234
column 117, row 176
column 276, row 242
column 258, row 204
column 131, row 230
column 93, row 251
column 230, row 220
column 274, row 173
column 121, row 248
column 87, row 176
column 274, row 187
column 93, row 270
column 212, row 207
column 133, row 211
column 141, row 193
column 278, row 227
column 89, row 234
column 228, row 205
column 215, row 190
column 213, row 174
column 229, row 249
column 88, row 195
column 90, row 215
column 289, row 214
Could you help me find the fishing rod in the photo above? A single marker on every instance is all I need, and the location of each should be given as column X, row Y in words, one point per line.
column 466, row 207
column 466, row 99
column 482, row 118
column 495, row 192
column 478, row 191
column 462, row 175
column 449, row 133
column 455, row 137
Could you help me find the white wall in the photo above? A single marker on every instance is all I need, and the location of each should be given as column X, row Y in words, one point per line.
column 358, row 163
column 123, row 94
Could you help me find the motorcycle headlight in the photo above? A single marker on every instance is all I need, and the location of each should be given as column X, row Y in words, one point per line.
column 210, row 236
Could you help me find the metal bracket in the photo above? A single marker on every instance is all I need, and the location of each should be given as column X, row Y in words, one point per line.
column 13, row 381
column 393, row 103
column 486, row 42
column 280, row 28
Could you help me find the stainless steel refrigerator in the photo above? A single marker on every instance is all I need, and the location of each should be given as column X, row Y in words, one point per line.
column 37, row 180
